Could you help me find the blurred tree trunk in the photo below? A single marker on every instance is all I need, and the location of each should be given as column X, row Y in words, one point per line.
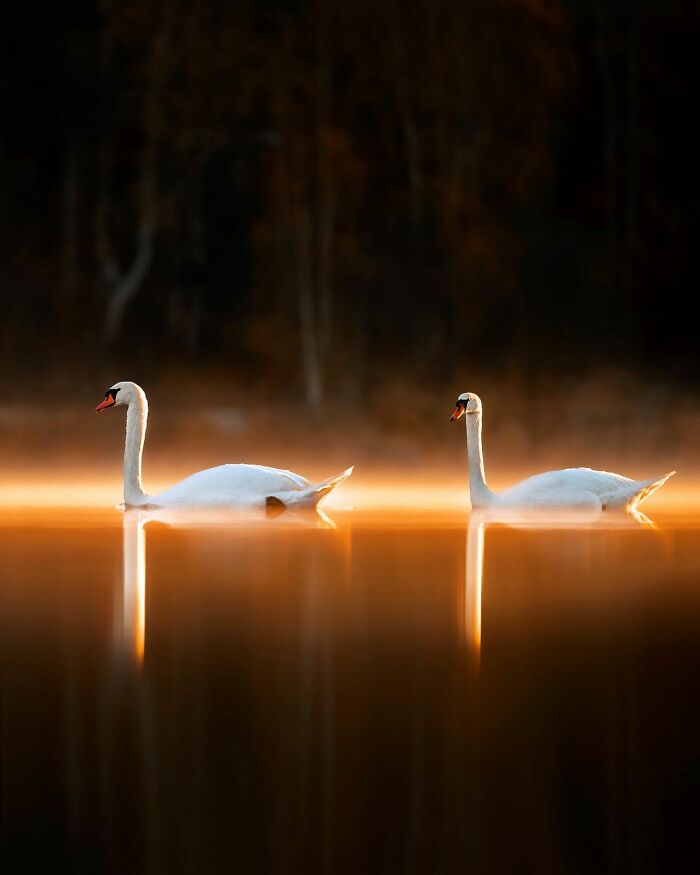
column 326, row 197
column 632, row 163
column 617, row 51
column 123, row 284
column 409, row 128
column 610, row 144
column 308, row 316
column 306, row 211
column 70, row 226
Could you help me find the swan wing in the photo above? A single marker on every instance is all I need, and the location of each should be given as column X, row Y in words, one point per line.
column 236, row 484
column 563, row 486
column 263, row 471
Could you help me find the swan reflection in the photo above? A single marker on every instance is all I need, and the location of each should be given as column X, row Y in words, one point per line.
column 130, row 603
column 130, row 634
column 479, row 522
column 474, row 580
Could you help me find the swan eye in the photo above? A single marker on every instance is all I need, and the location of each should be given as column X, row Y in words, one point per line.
column 112, row 392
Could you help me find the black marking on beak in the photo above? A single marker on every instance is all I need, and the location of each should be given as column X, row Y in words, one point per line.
column 460, row 409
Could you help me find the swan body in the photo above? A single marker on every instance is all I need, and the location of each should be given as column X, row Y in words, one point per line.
column 237, row 485
column 215, row 487
column 579, row 488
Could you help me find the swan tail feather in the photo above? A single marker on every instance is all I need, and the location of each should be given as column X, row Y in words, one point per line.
column 304, row 498
column 274, row 506
column 630, row 496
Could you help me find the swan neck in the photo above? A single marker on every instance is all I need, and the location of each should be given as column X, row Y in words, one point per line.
column 136, row 420
column 479, row 492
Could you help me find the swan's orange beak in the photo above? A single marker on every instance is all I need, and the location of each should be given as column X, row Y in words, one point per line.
column 459, row 410
column 108, row 402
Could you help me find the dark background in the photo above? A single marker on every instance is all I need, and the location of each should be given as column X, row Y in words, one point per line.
column 318, row 199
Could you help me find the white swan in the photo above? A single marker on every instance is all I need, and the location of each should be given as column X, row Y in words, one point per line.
column 223, row 486
column 580, row 488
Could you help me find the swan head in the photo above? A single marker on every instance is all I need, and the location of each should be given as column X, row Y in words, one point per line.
column 467, row 402
column 121, row 394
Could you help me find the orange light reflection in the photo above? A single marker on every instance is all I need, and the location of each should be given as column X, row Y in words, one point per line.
column 368, row 492
column 474, row 571
column 133, row 635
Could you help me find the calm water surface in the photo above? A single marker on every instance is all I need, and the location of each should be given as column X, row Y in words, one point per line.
column 403, row 693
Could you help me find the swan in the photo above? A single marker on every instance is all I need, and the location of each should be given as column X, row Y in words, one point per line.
column 580, row 488
column 223, row 486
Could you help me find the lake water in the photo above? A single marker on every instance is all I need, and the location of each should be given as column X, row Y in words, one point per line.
column 413, row 692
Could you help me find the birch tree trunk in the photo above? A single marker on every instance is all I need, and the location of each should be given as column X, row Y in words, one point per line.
column 326, row 197
column 308, row 321
column 306, row 206
column 632, row 163
column 409, row 127
column 122, row 284
column 604, row 53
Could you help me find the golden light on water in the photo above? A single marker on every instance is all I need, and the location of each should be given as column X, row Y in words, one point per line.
column 58, row 494
column 133, row 632
column 474, row 572
column 373, row 500
column 108, row 493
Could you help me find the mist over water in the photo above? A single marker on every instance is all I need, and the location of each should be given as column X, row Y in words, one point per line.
column 405, row 450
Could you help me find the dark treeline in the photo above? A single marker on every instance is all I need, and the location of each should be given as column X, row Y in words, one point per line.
column 325, row 195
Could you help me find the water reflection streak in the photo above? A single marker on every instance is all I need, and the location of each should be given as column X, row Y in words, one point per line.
column 133, row 628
